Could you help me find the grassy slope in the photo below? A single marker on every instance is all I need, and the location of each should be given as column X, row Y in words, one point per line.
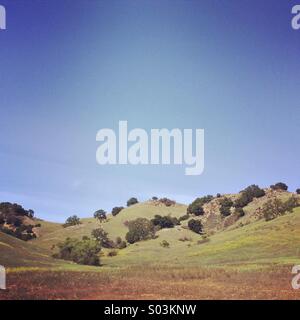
column 259, row 242
column 114, row 225
column 16, row 253
column 256, row 244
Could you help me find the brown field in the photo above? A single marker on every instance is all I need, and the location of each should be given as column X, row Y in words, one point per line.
column 152, row 283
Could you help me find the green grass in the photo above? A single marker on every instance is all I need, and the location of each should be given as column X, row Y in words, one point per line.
column 114, row 225
column 256, row 244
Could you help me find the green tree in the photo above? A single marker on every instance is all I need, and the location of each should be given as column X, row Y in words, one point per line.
column 83, row 251
column 132, row 201
column 139, row 229
column 102, row 237
column 195, row 226
column 100, row 215
column 196, row 207
column 116, row 210
column 279, row 186
column 72, row 221
column 225, row 206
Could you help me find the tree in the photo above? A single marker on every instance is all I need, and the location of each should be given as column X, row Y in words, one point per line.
column 116, row 210
column 102, row 237
column 195, row 226
column 279, row 186
column 83, row 251
column 164, row 222
column 276, row 207
column 72, row 221
column 225, row 206
column 196, row 207
column 139, row 229
column 248, row 194
column 132, row 201
column 298, row 191
column 100, row 215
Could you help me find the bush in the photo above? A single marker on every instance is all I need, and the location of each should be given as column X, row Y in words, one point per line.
column 248, row 194
column 132, row 201
column 225, row 206
column 276, row 207
column 102, row 238
column 196, row 207
column 83, row 251
column 116, row 210
column 165, row 244
column 218, row 195
column 164, row 222
column 120, row 244
column 72, row 221
column 100, row 215
column 167, row 202
column 112, row 253
column 139, row 229
column 195, row 226
column 279, row 186
column 298, row 191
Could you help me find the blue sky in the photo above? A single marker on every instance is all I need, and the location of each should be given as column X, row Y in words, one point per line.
column 69, row 68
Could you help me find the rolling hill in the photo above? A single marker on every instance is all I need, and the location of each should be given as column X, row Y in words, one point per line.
column 249, row 240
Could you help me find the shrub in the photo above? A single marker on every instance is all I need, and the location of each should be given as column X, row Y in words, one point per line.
column 100, row 215
column 164, row 222
column 116, row 210
column 276, row 207
column 298, row 191
column 248, row 194
column 139, row 229
column 167, row 202
column 112, row 253
column 196, row 207
column 83, row 251
column 218, row 195
column 195, row 225
column 225, row 206
column 165, row 244
column 120, row 244
column 102, row 238
column 72, row 221
column 132, row 201
column 279, row 186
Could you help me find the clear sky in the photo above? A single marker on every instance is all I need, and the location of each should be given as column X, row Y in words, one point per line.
column 69, row 68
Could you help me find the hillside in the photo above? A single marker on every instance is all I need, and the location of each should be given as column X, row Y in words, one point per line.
column 114, row 225
column 18, row 253
column 249, row 240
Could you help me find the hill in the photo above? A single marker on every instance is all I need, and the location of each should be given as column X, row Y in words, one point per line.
column 18, row 253
column 113, row 225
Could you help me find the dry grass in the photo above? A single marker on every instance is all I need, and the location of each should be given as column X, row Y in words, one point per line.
column 153, row 283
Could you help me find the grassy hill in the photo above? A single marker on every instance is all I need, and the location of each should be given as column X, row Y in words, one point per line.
column 114, row 225
column 247, row 241
column 260, row 243
column 18, row 253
